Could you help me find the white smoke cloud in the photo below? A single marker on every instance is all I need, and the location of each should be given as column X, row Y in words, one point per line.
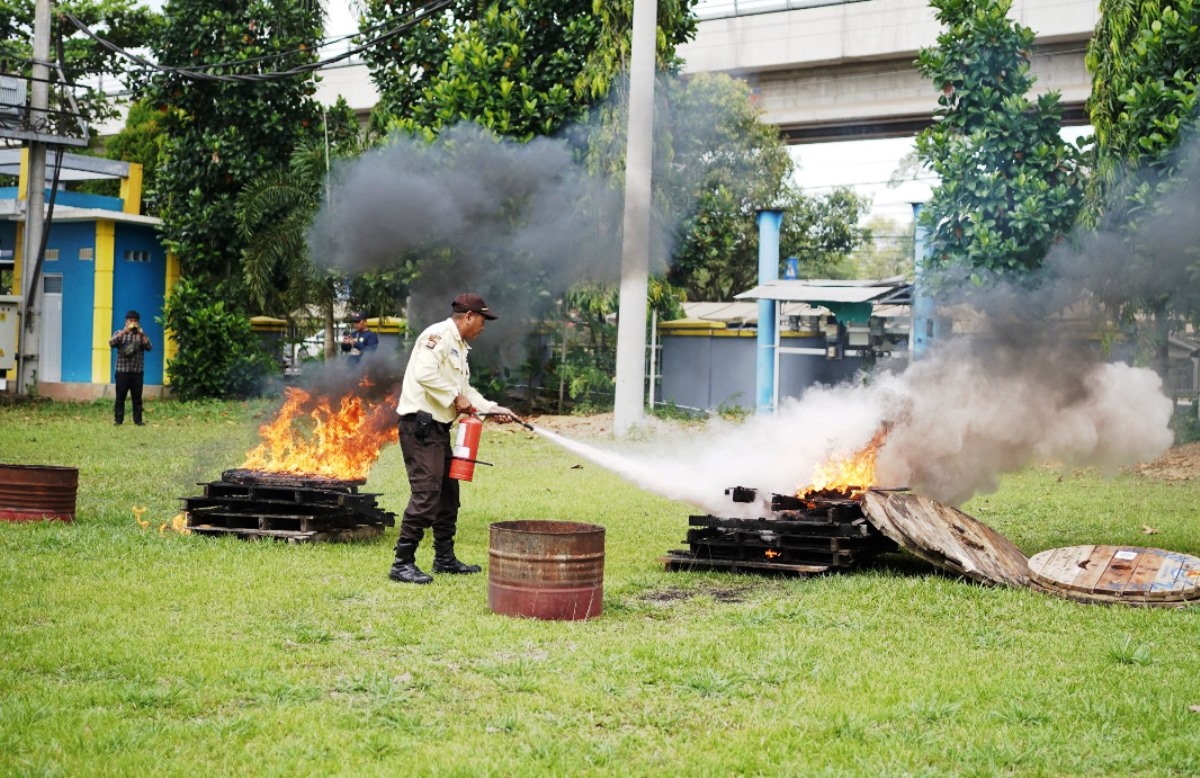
column 957, row 419
column 958, row 424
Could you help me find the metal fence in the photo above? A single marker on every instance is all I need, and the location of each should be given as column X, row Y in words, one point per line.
column 722, row 9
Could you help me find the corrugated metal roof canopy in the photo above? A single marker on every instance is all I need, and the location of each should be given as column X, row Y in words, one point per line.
column 745, row 313
column 75, row 167
column 70, row 213
column 830, row 291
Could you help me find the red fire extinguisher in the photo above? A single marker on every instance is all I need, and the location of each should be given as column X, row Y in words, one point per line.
column 466, row 448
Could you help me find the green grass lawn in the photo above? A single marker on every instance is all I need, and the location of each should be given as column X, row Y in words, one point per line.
column 127, row 652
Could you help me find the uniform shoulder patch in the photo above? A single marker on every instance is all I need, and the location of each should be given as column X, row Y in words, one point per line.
column 432, row 341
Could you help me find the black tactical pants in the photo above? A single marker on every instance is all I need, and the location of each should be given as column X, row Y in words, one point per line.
column 434, row 500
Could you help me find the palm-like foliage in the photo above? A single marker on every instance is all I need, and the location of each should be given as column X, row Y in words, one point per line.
column 273, row 216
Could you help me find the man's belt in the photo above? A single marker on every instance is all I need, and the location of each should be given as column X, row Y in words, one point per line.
column 443, row 425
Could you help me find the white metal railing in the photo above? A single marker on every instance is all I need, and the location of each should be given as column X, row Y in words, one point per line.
column 723, row 9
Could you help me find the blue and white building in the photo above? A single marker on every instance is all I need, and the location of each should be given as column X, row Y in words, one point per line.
column 102, row 258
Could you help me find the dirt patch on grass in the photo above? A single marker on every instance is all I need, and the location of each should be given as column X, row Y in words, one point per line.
column 677, row 594
column 576, row 426
column 1181, row 463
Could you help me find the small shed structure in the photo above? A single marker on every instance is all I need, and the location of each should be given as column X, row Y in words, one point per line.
column 827, row 332
column 103, row 258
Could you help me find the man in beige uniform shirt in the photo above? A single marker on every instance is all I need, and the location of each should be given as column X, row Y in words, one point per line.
column 436, row 390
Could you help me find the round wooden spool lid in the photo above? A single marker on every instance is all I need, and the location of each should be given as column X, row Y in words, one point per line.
column 1127, row 574
column 947, row 537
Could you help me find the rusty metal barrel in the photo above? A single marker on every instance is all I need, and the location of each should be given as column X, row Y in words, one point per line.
column 38, row 492
column 546, row 569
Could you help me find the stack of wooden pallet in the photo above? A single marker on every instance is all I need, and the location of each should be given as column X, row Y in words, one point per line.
column 797, row 537
column 298, row 509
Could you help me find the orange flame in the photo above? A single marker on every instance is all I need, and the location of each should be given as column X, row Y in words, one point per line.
column 178, row 523
column 310, row 437
column 849, row 476
column 771, row 553
column 138, row 512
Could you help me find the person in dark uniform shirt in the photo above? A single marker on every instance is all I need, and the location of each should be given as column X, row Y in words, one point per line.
column 361, row 341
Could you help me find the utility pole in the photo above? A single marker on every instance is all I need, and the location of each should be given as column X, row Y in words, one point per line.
column 635, row 250
column 35, row 200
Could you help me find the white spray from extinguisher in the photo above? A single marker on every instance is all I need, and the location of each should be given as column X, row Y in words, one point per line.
column 625, row 467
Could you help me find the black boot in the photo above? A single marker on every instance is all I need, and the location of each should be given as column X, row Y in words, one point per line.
column 444, row 560
column 405, row 569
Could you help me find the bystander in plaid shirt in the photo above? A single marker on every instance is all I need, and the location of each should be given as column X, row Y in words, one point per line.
column 136, row 344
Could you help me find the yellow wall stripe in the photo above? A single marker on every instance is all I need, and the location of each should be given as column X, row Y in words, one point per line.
column 102, row 301
column 131, row 190
column 170, row 347
column 18, row 255
column 23, row 175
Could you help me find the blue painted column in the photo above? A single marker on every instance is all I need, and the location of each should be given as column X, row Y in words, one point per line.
column 768, row 270
column 924, row 321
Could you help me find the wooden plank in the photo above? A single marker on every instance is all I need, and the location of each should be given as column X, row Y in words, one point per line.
column 1124, row 562
column 266, row 533
column 681, row 560
column 336, row 536
column 1166, row 582
column 1096, row 563
column 1149, row 562
column 781, row 526
column 274, row 521
column 1059, row 565
column 947, row 538
column 1189, row 576
column 1095, row 598
column 335, row 510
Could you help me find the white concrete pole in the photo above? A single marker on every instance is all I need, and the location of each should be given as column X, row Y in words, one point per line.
column 35, row 201
column 635, row 250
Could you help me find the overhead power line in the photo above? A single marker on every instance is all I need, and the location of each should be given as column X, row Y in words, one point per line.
column 195, row 73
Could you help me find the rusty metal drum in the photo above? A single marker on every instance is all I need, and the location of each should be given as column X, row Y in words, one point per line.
column 38, row 492
column 546, row 569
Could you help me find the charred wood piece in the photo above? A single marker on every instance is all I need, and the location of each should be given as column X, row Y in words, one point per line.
column 742, row 494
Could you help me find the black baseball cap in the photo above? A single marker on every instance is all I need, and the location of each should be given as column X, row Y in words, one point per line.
column 470, row 301
column 133, row 315
column 358, row 316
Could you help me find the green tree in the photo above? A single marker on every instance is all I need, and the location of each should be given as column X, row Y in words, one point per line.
column 1145, row 61
column 823, row 232
column 85, row 62
column 223, row 133
column 888, row 253
column 583, row 342
column 725, row 165
column 274, row 213
column 219, row 356
column 520, row 68
column 142, row 140
column 1010, row 186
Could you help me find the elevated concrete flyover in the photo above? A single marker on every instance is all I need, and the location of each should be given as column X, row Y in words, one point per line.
column 827, row 70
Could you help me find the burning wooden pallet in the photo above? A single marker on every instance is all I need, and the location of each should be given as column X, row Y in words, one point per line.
column 799, row 536
column 296, row 508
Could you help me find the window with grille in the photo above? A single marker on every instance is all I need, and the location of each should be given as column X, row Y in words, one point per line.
column 137, row 256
